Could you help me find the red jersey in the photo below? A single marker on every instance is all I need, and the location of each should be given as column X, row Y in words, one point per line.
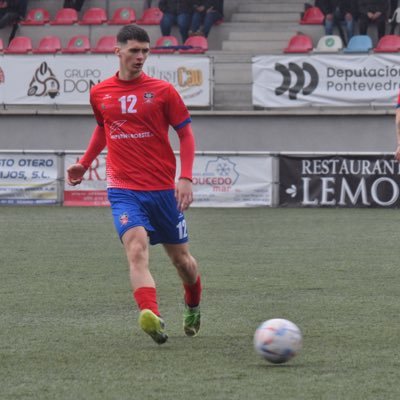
column 136, row 116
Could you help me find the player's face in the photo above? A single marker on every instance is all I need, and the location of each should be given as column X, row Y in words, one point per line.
column 132, row 57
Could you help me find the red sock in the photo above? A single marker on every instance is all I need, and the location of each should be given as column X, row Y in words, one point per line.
column 193, row 293
column 146, row 298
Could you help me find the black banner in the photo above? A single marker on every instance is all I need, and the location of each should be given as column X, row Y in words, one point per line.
column 339, row 181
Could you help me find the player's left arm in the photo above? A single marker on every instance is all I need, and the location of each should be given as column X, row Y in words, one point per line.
column 184, row 189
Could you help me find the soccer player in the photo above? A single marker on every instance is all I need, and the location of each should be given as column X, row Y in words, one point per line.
column 133, row 113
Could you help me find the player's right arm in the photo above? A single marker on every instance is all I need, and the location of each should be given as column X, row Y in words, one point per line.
column 96, row 145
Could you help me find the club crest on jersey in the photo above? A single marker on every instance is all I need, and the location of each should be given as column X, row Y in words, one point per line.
column 124, row 218
column 148, row 97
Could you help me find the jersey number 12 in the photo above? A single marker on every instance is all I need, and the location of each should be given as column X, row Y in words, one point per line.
column 128, row 104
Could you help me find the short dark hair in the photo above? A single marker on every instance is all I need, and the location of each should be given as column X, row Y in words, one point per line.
column 132, row 32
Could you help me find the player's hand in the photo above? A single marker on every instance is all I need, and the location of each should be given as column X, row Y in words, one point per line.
column 397, row 153
column 184, row 194
column 75, row 174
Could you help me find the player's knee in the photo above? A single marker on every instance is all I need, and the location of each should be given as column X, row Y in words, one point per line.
column 183, row 260
column 137, row 253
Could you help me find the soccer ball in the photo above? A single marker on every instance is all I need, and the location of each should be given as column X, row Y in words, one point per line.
column 277, row 340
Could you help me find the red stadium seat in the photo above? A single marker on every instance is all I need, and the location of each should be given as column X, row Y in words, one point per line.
column 195, row 45
column 123, row 16
column 165, row 45
column 48, row 45
column 94, row 16
column 388, row 44
column 79, row 44
column 151, row 16
column 65, row 16
column 106, row 44
column 36, row 16
column 19, row 45
column 1, row 46
column 299, row 44
column 312, row 16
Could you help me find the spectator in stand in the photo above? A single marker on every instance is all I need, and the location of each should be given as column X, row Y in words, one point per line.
column 146, row 4
column 393, row 6
column 373, row 12
column 394, row 15
column 12, row 11
column 177, row 12
column 338, row 13
column 77, row 4
column 206, row 14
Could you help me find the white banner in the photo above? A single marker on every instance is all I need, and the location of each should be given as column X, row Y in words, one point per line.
column 63, row 79
column 218, row 181
column 326, row 80
column 28, row 178
column 232, row 181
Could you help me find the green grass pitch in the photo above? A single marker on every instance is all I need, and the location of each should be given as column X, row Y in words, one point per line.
column 68, row 323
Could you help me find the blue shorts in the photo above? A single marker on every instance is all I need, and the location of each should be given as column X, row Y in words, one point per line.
column 157, row 211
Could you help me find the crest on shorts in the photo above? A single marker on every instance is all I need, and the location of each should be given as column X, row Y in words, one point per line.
column 124, row 218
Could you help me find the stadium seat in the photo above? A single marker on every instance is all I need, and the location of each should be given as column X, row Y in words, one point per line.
column 1, row 46
column 36, row 16
column 123, row 16
column 329, row 44
column 359, row 44
column 94, row 16
column 65, row 16
column 19, row 45
column 194, row 45
column 299, row 44
column 165, row 45
column 151, row 16
column 77, row 45
column 48, row 45
column 106, row 44
column 312, row 16
column 388, row 44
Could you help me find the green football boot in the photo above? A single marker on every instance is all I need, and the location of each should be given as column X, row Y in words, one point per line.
column 191, row 320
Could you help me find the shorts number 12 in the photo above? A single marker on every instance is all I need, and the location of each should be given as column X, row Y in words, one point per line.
column 182, row 229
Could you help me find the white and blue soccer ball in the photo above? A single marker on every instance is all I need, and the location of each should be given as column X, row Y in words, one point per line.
column 278, row 340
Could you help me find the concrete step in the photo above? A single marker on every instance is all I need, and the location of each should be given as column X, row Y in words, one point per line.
column 233, row 74
column 266, row 17
column 233, row 97
column 254, row 47
column 227, row 57
column 272, row 26
column 301, row 2
column 247, row 36
column 270, row 8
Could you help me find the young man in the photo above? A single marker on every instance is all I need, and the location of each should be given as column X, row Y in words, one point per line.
column 133, row 113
